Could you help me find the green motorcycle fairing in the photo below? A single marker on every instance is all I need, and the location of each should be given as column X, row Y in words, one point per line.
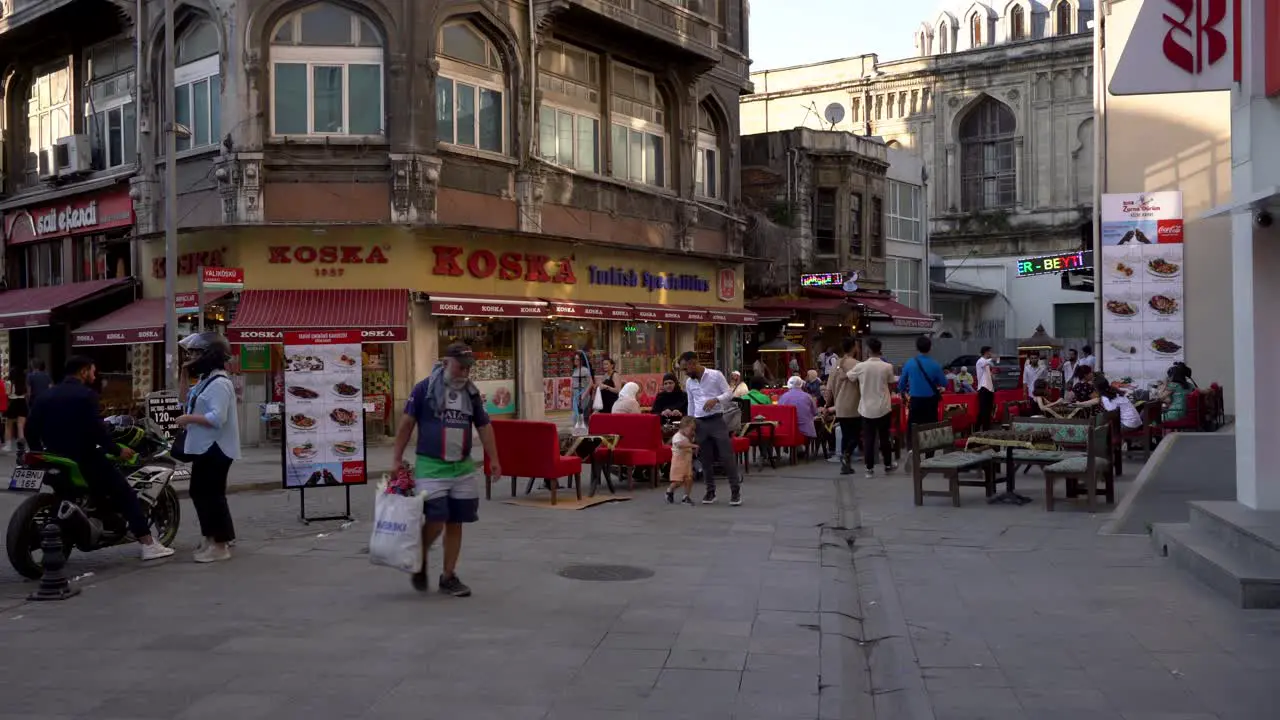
column 68, row 466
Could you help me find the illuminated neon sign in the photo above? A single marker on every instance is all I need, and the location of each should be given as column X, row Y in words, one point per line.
column 1061, row 262
column 821, row 279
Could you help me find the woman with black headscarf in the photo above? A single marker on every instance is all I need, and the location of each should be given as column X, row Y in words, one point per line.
column 671, row 403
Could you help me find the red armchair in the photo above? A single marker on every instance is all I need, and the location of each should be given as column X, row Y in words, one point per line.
column 787, row 434
column 532, row 450
column 1190, row 422
column 639, row 446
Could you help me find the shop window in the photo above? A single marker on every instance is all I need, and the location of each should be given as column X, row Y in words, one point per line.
column 704, row 343
column 48, row 118
column 902, row 275
column 378, row 385
column 569, row 117
column 708, row 172
column 646, row 349
column 824, row 222
column 94, row 257
column 470, row 107
column 326, row 74
column 198, row 86
column 639, row 136
column 562, row 338
column 988, row 174
column 37, row 265
column 855, row 225
column 904, row 212
column 493, row 340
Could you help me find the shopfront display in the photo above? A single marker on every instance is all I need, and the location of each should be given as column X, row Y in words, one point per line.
column 562, row 339
column 493, row 341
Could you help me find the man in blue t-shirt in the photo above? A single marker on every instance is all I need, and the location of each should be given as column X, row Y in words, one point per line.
column 443, row 409
column 922, row 380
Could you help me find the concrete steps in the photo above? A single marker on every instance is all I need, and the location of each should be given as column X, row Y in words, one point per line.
column 1228, row 547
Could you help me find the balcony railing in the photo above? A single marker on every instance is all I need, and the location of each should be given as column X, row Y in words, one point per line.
column 665, row 19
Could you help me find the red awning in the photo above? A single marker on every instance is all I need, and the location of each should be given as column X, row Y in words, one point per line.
column 265, row 315
column 811, row 304
column 670, row 313
column 732, row 317
column 34, row 307
column 484, row 306
column 901, row 315
column 596, row 310
column 140, row 322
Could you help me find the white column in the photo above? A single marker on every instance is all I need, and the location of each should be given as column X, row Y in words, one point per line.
column 1255, row 256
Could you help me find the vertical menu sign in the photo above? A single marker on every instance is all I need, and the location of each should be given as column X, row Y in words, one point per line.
column 1141, row 273
column 323, row 410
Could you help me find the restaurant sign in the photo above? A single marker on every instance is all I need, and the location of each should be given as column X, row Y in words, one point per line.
column 327, row 254
column 487, row 307
column 482, row 264
column 659, row 313
column 1180, row 46
column 561, row 308
column 276, row 335
column 84, row 214
column 128, row 336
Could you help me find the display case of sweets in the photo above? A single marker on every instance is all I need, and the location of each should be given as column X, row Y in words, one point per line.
column 493, row 369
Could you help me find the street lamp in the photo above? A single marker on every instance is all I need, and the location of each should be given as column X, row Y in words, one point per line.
column 170, row 207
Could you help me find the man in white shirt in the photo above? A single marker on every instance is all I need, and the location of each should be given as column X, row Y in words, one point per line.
column 875, row 404
column 709, row 394
column 1069, row 368
column 829, row 362
column 1032, row 372
column 1088, row 360
column 985, row 368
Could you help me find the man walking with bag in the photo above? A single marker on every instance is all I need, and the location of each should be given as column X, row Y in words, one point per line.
column 709, row 397
column 444, row 408
column 845, row 394
column 922, row 380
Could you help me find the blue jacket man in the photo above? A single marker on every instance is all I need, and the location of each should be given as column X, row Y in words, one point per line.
column 923, row 381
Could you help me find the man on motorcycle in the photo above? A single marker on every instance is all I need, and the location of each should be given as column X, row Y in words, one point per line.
column 66, row 420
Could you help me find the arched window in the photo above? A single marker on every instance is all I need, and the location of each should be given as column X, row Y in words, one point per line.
column 1017, row 23
column 944, row 32
column 638, row 136
column 975, row 30
column 326, row 73
column 470, row 91
column 569, row 117
column 110, row 111
column 988, row 172
column 198, row 86
column 924, row 43
column 709, row 177
column 1062, row 18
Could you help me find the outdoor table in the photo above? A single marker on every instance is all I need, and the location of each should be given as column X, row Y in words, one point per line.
column 756, row 428
column 584, row 446
column 1065, row 411
column 1010, row 441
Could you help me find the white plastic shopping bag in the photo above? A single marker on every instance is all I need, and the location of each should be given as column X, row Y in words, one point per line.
column 397, row 532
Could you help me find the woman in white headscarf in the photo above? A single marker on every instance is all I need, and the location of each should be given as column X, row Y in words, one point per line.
column 628, row 403
column 806, row 407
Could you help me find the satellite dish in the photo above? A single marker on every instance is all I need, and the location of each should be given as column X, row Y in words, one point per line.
column 851, row 284
column 834, row 113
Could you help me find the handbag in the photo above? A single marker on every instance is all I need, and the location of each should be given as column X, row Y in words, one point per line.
column 598, row 403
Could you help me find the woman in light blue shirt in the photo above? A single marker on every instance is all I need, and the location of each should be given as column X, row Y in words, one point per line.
column 213, row 438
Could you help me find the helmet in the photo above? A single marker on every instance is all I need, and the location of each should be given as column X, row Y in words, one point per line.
column 206, row 352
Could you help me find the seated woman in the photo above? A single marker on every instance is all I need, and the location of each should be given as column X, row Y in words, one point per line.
column 1111, row 400
column 1175, row 392
column 1082, row 384
column 1040, row 397
column 806, row 407
column 627, row 403
column 740, row 388
column 671, row 403
column 757, row 396
column 813, row 385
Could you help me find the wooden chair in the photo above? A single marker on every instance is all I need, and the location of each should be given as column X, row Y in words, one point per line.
column 532, row 450
column 1093, row 469
column 1141, row 439
column 933, row 451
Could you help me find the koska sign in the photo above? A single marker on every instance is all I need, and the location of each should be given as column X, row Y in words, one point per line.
column 486, row 307
column 1181, row 46
column 482, row 264
column 237, row 335
column 118, row 337
column 327, row 254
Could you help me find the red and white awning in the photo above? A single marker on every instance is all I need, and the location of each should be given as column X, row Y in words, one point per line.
column 487, row 306
column 265, row 315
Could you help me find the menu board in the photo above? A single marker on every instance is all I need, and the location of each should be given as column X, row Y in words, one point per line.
column 323, row 410
column 1141, row 272
column 163, row 408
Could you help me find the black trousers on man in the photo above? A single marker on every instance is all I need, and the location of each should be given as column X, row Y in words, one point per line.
column 923, row 411
column 106, row 481
column 873, row 430
column 714, row 445
column 986, row 407
column 850, row 435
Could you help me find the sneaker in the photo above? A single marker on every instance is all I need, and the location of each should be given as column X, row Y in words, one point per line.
column 671, row 497
column 453, row 586
column 686, row 500
column 890, row 468
column 213, row 553
column 735, row 498
column 6, row 448
column 869, row 474
column 155, row 551
column 419, row 580
column 709, row 498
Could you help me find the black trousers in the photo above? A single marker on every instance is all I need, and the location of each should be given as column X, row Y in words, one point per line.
column 986, row 407
column 715, row 445
column 874, row 429
column 209, row 495
column 105, row 480
column 850, row 435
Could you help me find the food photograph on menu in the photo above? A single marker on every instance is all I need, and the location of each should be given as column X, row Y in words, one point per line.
column 324, row 410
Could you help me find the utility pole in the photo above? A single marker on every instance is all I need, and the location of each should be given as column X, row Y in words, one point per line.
column 170, row 207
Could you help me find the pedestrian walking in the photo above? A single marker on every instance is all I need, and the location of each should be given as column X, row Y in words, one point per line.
column 443, row 408
column 875, row 404
column 38, row 381
column 212, row 438
column 15, row 415
column 922, row 381
column 709, row 396
column 845, row 395
column 986, row 368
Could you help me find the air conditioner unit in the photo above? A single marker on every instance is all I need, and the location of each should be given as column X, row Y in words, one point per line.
column 48, row 169
column 73, row 155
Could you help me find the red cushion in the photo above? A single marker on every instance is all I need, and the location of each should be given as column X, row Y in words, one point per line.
column 531, row 449
column 741, row 444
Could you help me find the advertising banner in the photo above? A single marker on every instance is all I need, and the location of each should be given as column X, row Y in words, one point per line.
column 1141, row 274
column 324, row 410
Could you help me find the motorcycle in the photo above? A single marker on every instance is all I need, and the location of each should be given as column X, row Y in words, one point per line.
column 88, row 522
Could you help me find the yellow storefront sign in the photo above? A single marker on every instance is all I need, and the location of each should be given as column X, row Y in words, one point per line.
column 445, row 261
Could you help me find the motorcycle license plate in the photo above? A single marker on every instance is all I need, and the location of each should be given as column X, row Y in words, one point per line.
column 24, row 479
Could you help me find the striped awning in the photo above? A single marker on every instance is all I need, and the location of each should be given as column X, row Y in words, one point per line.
column 265, row 316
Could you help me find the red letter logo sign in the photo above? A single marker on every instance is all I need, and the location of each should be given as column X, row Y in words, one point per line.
column 1194, row 40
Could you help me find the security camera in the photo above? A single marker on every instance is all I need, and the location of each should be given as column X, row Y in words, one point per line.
column 1263, row 219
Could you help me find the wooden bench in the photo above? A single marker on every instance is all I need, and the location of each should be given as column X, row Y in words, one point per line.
column 933, row 451
column 1093, row 468
column 1066, row 433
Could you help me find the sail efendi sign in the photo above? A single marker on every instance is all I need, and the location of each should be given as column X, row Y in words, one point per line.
column 1178, row 46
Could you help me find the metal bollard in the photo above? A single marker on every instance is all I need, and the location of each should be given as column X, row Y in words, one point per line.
column 53, row 584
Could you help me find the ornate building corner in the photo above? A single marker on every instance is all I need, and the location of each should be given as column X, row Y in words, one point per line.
column 686, row 225
column 415, row 182
column 239, row 178
column 531, row 189
column 142, row 190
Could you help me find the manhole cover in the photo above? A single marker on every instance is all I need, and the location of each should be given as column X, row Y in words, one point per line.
column 605, row 573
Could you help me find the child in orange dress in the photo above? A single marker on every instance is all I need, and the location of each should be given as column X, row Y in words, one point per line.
column 682, row 450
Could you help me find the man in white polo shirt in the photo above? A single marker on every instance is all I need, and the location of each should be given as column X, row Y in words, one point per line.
column 709, row 395
column 986, row 388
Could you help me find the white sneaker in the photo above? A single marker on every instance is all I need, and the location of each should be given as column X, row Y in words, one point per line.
column 870, row 474
column 6, row 448
column 212, row 553
column 155, row 551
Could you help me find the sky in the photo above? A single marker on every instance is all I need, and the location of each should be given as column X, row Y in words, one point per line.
column 795, row 32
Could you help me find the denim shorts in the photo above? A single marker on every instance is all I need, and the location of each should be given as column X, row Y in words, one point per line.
column 451, row 500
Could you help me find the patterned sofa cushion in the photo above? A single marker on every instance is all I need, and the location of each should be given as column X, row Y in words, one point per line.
column 1078, row 464
column 1063, row 433
column 939, row 437
column 955, row 461
column 1042, row 456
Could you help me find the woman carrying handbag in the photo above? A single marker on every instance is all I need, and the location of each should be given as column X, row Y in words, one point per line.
column 209, row 437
